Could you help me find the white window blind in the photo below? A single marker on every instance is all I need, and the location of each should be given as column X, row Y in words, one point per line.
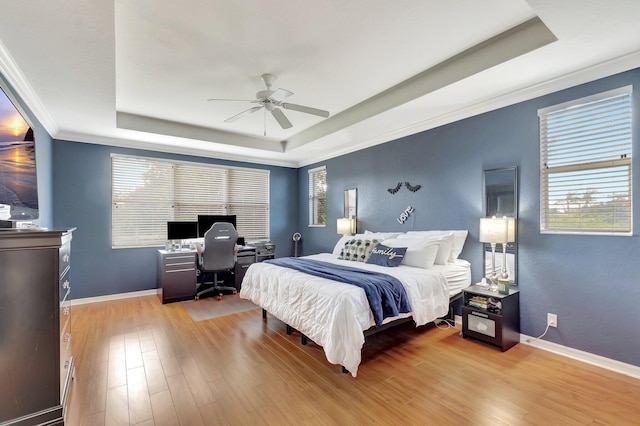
column 585, row 159
column 318, row 196
column 147, row 193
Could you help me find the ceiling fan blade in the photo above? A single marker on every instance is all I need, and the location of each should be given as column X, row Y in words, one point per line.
column 242, row 114
column 280, row 95
column 281, row 119
column 308, row 110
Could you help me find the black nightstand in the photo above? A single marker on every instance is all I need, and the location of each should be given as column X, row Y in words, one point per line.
column 497, row 323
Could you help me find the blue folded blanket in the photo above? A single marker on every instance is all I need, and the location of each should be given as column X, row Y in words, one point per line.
column 386, row 294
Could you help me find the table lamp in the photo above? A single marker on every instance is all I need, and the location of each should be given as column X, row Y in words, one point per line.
column 493, row 231
column 346, row 226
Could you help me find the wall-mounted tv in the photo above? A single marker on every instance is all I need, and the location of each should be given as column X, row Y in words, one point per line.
column 18, row 180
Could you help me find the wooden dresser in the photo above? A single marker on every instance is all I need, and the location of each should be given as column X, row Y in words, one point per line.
column 36, row 361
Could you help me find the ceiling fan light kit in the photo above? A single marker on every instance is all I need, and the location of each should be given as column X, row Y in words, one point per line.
column 272, row 101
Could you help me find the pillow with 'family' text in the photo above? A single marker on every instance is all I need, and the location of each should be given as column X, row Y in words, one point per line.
column 387, row 256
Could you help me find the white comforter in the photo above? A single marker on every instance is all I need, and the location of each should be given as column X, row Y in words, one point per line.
column 334, row 314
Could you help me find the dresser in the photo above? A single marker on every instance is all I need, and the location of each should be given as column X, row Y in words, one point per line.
column 36, row 362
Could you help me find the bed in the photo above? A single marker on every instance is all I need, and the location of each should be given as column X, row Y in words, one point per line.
column 336, row 315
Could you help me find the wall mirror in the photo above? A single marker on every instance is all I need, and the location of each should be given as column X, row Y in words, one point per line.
column 350, row 203
column 501, row 199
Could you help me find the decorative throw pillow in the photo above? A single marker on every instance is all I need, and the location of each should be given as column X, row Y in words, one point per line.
column 387, row 256
column 357, row 250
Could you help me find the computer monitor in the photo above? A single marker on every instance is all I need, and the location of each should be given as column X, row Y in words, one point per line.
column 182, row 230
column 206, row 221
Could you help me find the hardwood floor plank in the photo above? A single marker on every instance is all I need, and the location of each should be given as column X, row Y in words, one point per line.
column 154, row 373
column 133, row 354
column 240, row 369
column 164, row 413
column 183, row 402
column 138, row 396
column 117, row 412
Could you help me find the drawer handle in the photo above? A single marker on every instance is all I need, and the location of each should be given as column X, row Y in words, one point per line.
column 181, row 270
column 479, row 314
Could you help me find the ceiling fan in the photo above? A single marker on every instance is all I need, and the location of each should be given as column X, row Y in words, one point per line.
column 272, row 101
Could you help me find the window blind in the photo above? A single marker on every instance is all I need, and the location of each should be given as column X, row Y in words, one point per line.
column 318, row 196
column 147, row 193
column 585, row 158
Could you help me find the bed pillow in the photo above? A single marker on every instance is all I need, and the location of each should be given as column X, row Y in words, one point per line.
column 340, row 244
column 443, row 240
column 380, row 235
column 420, row 253
column 387, row 256
column 357, row 249
column 459, row 238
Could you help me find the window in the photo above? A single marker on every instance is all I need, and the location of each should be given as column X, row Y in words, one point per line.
column 585, row 165
column 147, row 193
column 318, row 196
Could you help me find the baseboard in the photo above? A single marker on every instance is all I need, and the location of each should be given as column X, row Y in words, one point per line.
column 589, row 358
column 118, row 296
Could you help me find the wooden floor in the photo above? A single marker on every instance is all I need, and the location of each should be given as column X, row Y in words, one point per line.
column 139, row 362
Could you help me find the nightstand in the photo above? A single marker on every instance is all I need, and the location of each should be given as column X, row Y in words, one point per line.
column 490, row 316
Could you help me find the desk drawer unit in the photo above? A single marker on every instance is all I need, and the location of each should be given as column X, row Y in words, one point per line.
column 176, row 275
column 243, row 261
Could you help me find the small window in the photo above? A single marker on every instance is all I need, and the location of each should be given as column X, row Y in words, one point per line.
column 585, row 165
column 318, row 196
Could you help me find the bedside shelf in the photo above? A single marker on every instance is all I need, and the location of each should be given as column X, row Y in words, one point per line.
column 498, row 323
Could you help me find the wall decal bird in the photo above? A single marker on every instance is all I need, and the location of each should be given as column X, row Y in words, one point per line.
column 396, row 189
column 412, row 188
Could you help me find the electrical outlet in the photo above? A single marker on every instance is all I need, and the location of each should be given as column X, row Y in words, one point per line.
column 552, row 320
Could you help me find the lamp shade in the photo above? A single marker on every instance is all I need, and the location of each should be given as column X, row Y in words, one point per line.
column 346, row 226
column 494, row 230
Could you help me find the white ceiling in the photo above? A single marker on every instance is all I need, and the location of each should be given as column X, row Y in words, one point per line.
column 139, row 73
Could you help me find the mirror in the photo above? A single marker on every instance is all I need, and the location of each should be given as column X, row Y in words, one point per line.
column 350, row 203
column 501, row 199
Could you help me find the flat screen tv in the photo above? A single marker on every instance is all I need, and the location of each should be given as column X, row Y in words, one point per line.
column 18, row 181
column 182, row 230
column 205, row 221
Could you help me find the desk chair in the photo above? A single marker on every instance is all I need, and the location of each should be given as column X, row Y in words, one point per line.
column 218, row 256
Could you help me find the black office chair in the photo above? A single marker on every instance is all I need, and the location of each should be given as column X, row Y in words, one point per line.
column 218, row 256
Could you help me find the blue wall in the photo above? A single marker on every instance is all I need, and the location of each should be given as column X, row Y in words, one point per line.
column 82, row 199
column 591, row 282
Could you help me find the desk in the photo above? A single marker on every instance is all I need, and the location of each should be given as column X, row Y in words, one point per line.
column 177, row 272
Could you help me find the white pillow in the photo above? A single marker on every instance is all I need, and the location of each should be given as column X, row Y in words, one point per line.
column 459, row 238
column 340, row 244
column 420, row 253
column 444, row 241
column 379, row 235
